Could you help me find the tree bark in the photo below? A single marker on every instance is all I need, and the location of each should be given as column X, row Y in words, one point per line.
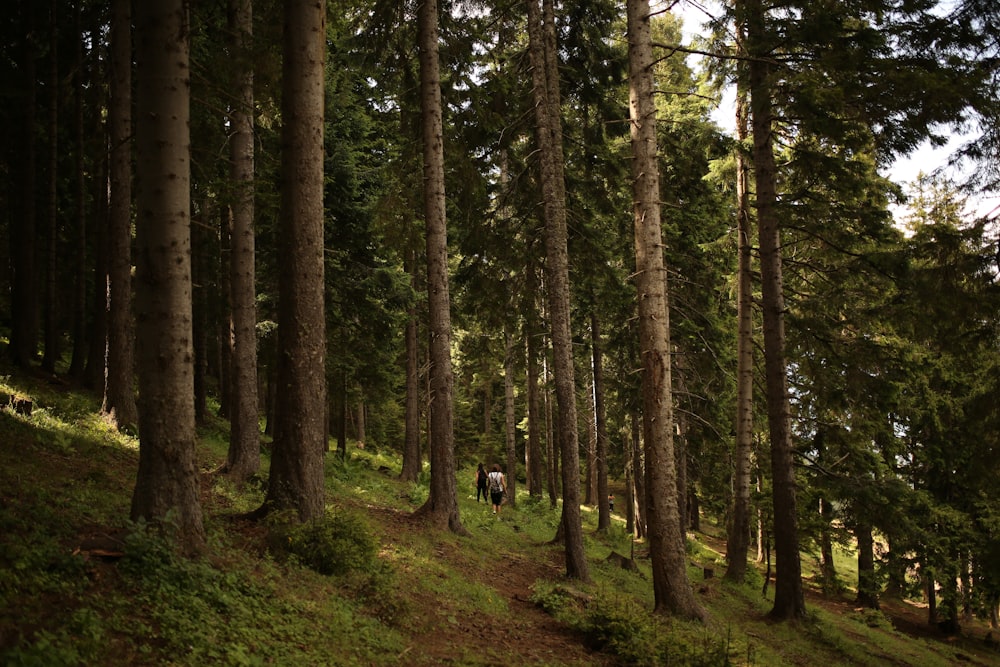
column 671, row 588
column 96, row 363
column 738, row 543
column 50, row 319
column 828, row 568
column 167, row 485
column 412, row 463
column 545, row 86
column 119, row 393
column 867, row 581
column 680, row 430
column 600, row 415
column 296, row 478
column 536, row 415
column 24, row 236
column 361, row 430
column 441, row 507
column 638, row 476
column 510, row 427
column 789, row 601
column 202, row 248
column 78, row 363
column 243, row 459
column 590, row 465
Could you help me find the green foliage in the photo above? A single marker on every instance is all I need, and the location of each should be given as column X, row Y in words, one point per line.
column 622, row 627
column 874, row 618
column 48, row 648
column 619, row 625
column 555, row 599
column 237, row 605
column 336, row 544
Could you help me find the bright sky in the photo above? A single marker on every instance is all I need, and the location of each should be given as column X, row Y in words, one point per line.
column 904, row 171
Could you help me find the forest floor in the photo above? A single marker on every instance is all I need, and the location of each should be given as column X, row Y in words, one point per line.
column 533, row 637
column 68, row 595
column 526, row 636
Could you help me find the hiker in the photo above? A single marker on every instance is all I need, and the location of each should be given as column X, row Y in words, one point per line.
column 611, row 502
column 481, row 483
column 498, row 487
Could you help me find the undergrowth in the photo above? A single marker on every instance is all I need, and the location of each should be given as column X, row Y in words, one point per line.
column 81, row 585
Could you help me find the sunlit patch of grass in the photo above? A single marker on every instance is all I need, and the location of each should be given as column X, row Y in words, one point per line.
column 240, row 498
column 65, row 471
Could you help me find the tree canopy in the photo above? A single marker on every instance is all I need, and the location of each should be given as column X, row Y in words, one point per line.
column 435, row 241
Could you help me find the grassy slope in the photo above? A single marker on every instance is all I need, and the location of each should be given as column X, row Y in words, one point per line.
column 78, row 585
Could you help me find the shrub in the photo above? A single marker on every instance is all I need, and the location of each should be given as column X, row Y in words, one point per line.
column 622, row 627
column 874, row 618
column 557, row 601
column 618, row 625
column 336, row 544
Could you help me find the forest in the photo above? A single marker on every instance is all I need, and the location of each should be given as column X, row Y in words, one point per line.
column 621, row 256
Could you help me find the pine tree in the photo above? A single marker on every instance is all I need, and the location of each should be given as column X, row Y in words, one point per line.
column 442, row 504
column 119, row 394
column 671, row 587
column 296, row 477
column 167, row 485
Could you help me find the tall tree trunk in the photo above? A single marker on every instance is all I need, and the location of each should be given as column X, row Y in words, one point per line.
column 829, row 569
column 361, row 431
column 24, row 235
column 50, row 310
column 442, row 504
column 411, row 449
column 738, row 543
column 590, row 465
column 510, row 426
column 223, row 309
column 119, row 392
column 761, row 527
column 94, row 373
column 201, row 249
column 243, row 459
column 967, row 594
column 638, row 476
column 536, row 416
column 789, row 601
column 671, row 589
column 867, row 581
column 551, row 451
column 296, row 478
column 167, row 479
column 487, row 379
column 680, row 429
column 545, row 85
column 600, row 415
column 338, row 411
column 930, row 590
column 78, row 364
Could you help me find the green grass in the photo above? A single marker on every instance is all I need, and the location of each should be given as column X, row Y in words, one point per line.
column 256, row 598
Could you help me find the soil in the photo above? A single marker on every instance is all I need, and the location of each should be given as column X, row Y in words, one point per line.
column 524, row 635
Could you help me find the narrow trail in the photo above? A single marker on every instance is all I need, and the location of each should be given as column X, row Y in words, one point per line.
column 522, row 635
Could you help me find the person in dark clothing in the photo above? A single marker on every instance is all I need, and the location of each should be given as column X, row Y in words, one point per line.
column 481, row 483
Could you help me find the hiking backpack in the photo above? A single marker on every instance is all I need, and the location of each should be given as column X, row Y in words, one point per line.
column 495, row 486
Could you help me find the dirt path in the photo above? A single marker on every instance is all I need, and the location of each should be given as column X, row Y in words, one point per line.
column 523, row 635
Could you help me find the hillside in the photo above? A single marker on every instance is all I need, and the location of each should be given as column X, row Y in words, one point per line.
column 79, row 586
